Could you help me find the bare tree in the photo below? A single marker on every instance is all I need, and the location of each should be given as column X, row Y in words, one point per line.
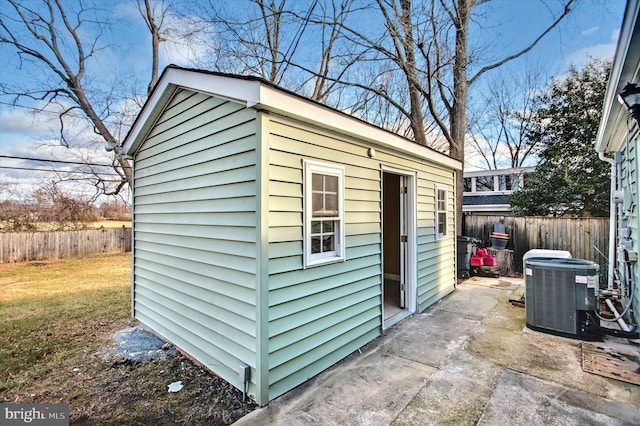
column 299, row 45
column 501, row 120
column 252, row 37
column 47, row 206
column 60, row 43
column 52, row 39
column 423, row 43
column 154, row 18
column 335, row 59
column 429, row 43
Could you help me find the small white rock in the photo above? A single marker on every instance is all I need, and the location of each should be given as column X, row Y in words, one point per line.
column 175, row 386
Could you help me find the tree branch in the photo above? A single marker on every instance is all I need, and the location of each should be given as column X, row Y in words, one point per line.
column 567, row 9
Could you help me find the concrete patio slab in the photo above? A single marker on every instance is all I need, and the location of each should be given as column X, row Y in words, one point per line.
column 519, row 399
column 469, row 359
column 371, row 389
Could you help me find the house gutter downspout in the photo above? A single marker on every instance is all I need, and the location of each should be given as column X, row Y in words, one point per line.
column 612, row 218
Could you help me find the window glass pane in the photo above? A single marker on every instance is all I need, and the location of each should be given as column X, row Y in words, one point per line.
column 325, row 195
column 515, row 182
column 318, row 202
column 442, row 223
column 502, row 183
column 331, row 204
column 327, row 243
column 315, row 245
column 327, row 226
column 507, row 182
column 331, row 183
column 484, row 183
column 442, row 201
column 316, row 227
column 467, row 184
column 441, row 212
column 317, row 182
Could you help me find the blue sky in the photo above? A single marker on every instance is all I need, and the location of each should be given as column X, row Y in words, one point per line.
column 506, row 27
column 591, row 28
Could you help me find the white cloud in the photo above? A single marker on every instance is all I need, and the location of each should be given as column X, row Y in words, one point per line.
column 590, row 31
column 27, row 134
column 187, row 42
column 601, row 51
column 615, row 34
column 24, row 121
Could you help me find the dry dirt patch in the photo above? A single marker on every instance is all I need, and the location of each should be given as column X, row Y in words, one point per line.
column 58, row 328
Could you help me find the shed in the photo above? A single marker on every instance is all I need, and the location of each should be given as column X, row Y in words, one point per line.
column 275, row 232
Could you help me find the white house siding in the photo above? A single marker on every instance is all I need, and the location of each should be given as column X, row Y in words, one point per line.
column 319, row 315
column 630, row 181
column 195, row 231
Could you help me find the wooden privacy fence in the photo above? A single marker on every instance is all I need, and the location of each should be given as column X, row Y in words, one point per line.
column 583, row 238
column 25, row 246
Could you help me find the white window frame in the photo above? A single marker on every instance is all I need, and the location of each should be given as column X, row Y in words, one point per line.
column 337, row 255
column 439, row 235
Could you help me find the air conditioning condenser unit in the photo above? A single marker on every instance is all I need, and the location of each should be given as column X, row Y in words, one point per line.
column 559, row 294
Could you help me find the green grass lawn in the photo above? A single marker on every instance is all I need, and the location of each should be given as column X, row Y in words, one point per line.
column 57, row 320
column 54, row 313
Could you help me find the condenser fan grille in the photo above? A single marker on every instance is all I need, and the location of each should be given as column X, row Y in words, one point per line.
column 556, row 291
column 555, row 295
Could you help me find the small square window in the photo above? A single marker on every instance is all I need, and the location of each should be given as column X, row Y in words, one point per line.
column 324, row 213
column 441, row 212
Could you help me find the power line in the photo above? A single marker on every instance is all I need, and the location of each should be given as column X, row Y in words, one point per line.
column 40, row 110
column 52, row 170
column 79, row 163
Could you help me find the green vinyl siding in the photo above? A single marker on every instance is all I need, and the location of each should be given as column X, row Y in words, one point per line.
column 435, row 258
column 319, row 315
column 195, row 231
column 630, row 181
column 219, row 232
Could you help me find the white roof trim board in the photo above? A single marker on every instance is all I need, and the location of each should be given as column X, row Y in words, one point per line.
column 624, row 69
column 258, row 93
